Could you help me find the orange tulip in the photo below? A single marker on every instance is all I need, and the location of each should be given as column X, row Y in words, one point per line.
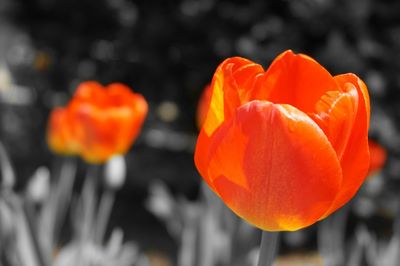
column 378, row 157
column 286, row 147
column 64, row 133
column 98, row 122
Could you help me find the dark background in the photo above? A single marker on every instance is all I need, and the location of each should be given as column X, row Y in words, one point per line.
column 168, row 51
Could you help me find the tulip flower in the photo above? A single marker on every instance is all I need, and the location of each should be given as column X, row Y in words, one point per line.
column 64, row 133
column 378, row 157
column 286, row 147
column 98, row 122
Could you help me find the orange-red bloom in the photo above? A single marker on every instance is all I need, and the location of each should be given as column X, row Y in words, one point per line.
column 378, row 157
column 63, row 133
column 286, row 147
column 98, row 122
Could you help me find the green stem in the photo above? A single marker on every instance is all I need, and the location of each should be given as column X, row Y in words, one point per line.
column 268, row 247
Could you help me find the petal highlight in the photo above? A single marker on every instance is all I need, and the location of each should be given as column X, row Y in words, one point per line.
column 229, row 90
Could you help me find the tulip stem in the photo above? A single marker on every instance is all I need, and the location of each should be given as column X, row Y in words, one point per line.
column 27, row 210
column 268, row 247
column 331, row 237
column 103, row 214
column 63, row 189
column 89, row 201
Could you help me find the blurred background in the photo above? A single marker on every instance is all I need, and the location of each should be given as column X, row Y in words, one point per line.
column 168, row 51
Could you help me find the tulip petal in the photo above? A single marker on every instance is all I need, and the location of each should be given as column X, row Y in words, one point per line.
column 98, row 144
column 110, row 118
column 91, row 91
column 202, row 156
column 229, row 90
column 295, row 79
column 335, row 114
column 130, row 109
column 118, row 95
column 63, row 134
column 131, row 123
column 273, row 166
column 362, row 90
column 355, row 157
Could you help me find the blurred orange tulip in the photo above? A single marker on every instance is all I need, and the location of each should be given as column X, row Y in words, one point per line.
column 63, row 133
column 203, row 105
column 98, row 122
column 286, row 147
column 378, row 157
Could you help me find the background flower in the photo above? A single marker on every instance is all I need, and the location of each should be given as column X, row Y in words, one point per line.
column 378, row 156
column 203, row 105
column 98, row 122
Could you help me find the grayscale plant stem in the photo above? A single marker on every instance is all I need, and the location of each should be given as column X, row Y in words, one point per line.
column 268, row 247
column 103, row 215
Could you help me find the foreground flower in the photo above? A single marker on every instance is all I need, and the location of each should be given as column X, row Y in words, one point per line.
column 98, row 122
column 286, row 147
